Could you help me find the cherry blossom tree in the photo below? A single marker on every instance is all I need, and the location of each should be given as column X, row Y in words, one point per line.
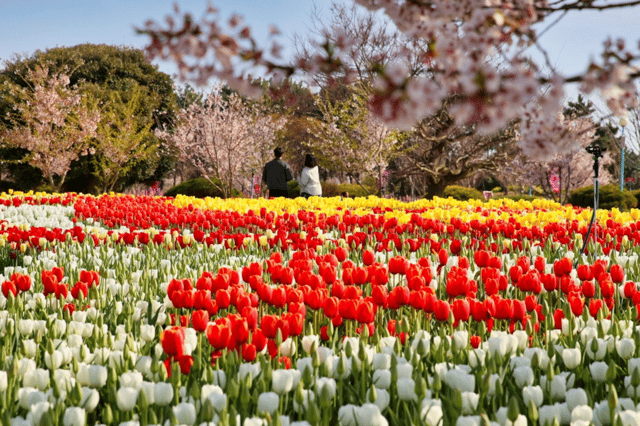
column 124, row 138
column 224, row 138
column 571, row 169
column 52, row 122
column 351, row 141
column 473, row 50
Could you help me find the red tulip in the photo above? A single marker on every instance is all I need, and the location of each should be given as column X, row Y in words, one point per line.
column 249, row 352
column 617, row 274
column 218, row 335
column 172, row 340
column 368, row 258
column 9, row 287
column 200, row 320
column 461, row 309
column 441, row 310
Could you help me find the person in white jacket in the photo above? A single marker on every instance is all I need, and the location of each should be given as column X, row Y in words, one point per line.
column 309, row 181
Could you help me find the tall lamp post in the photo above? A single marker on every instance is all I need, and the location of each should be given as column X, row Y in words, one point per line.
column 623, row 123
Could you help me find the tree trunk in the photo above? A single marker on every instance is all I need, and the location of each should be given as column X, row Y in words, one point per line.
column 435, row 189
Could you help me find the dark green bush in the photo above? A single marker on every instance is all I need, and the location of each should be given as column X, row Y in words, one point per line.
column 521, row 197
column 294, row 188
column 199, row 187
column 356, row 190
column 610, row 197
column 462, row 193
column 330, row 189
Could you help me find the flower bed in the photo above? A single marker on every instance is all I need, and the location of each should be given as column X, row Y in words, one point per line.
column 150, row 310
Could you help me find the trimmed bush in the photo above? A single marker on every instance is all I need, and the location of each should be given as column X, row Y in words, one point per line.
column 330, row 189
column 462, row 193
column 610, row 197
column 199, row 187
column 335, row 190
column 523, row 197
column 294, row 188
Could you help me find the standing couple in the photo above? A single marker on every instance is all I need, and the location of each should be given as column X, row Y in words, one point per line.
column 277, row 173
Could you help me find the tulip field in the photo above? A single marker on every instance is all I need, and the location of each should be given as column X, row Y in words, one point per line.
column 138, row 310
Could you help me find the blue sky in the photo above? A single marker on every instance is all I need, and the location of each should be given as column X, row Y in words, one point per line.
column 28, row 25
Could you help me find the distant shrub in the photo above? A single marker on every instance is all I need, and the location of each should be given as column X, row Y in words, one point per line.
column 294, row 188
column 462, row 193
column 199, row 187
column 330, row 189
column 335, row 190
column 610, row 197
column 521, row 197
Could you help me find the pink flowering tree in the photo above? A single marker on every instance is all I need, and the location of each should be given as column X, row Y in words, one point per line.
column 52, row 122
column 225, row 139
column 472, row 49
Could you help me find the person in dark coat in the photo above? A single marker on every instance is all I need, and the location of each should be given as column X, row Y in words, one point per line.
column 276, row 174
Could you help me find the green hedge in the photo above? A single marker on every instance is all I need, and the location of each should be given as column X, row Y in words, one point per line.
column 294, row 188
column 523, row 197
column 462, row 193
column 335, row 190
column 610, row 197
column 199, row 187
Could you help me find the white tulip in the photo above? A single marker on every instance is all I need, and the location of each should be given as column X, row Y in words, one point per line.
column 307, row 396
column 90, row 399
column 369, row 414
column 149, row 391
column 626, row 348
column 147, row 332
column 268, row 402
column 287, row 348
column 382, row 379
column 571, row 358
column 131, row 379
column 3, row 381
column 163, row 393
column 218, row 401
column 209, row 389
column 94, row 376
column 327, row 385
column 628, row 418
column 599, row 371
column 575, row 398
column 347, row 415
column 407, row 389
column 582, row 412
column 382, row 398
column 477, row 357
column 36, row 411
column 38, row 378
column 634, row 363
column 24, row 365
column 126, row 398
column 30, row 348
column 431, row 412
column 304, row 363
column 281, row 381
column 185, row 413
column 309, row 341
column 381, row 361
column 25, row 326
column 254, row 421
column 532, row 393
column 53, row 361
column 547, row 413
column 458, row 379
column 220, row 378
column 248, row 369
column 405, row 371
column 30, row 396
column 469, row 402
column 74, row 416
column 523, row 376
